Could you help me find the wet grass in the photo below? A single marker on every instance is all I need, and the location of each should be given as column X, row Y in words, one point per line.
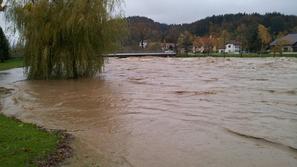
column 11, row 63
column 24, row 144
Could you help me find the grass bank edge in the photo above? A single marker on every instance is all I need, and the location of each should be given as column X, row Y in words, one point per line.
column 24, row 144
column 12, row 63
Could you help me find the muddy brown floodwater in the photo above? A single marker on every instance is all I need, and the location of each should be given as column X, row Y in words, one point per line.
column 169, row 112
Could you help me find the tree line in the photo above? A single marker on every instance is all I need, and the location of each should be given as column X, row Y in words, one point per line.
column 251, row 30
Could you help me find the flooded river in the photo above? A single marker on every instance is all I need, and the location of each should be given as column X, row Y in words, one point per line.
column 169, row 112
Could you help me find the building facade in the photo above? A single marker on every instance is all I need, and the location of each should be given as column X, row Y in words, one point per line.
column 287, row 43
column 232, row 47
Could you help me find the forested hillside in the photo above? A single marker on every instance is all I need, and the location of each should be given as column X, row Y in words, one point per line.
column 240, row 27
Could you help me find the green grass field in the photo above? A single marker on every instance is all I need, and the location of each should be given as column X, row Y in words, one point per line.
column 24, row 144
column 11, row 63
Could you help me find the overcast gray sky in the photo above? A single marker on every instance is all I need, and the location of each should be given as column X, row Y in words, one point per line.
column 186, row 11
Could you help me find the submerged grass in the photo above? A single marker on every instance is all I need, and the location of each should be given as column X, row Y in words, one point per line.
column 11, row 63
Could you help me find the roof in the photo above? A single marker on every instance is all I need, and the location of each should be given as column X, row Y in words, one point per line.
column 233, row 42
column 290, row 39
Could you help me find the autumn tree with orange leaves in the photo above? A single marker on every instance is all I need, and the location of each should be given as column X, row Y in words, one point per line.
column 264, row 36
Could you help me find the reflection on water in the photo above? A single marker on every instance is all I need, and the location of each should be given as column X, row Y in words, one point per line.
column 166, row 112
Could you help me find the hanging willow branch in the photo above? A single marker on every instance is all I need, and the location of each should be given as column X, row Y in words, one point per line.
column 66, row 38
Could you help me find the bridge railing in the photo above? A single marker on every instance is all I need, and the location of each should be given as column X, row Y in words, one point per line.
column 161, row 54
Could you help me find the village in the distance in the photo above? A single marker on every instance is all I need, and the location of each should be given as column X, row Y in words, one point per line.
column 272, row 33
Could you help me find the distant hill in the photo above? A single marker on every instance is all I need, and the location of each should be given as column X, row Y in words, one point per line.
column 237, row 26
column 276, row 23
column 143, row 28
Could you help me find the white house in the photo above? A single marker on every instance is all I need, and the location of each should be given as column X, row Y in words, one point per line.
column 232, row 47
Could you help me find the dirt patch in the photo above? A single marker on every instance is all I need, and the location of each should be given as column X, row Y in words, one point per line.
column 63, row 151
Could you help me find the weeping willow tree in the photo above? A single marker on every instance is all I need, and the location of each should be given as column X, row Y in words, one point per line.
column 66, row 38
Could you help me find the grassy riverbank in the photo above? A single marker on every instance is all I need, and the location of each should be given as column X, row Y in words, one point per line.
column 11, row 63
column 24, row 144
